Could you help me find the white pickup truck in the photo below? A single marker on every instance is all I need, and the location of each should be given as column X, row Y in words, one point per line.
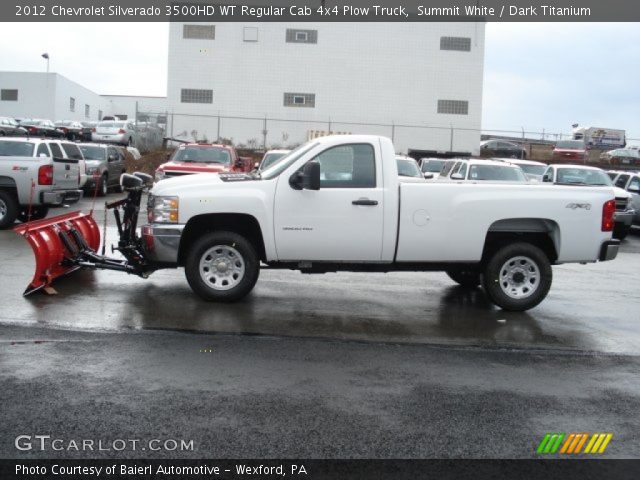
column 336, row 203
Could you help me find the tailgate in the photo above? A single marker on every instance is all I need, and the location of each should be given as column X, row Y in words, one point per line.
column 66, row 174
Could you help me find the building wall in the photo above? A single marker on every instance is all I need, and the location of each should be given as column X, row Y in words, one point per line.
column 377, row 73
column 126, row 105
column 48, row 95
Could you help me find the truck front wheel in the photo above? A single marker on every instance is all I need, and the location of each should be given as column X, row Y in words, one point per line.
column 222, row 267
column 517, row 277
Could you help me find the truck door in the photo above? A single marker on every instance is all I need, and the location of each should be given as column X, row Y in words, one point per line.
column 343, row 221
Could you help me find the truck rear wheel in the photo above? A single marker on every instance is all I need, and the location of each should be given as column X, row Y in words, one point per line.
column 8, row 209
column 37, row 213
column 466, row 278
column 517, row 277
column 222, row 267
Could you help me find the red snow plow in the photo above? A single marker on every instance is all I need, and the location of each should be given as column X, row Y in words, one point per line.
column 65, row 243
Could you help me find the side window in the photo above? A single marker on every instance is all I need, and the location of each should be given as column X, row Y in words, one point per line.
column 43, row 150
column 622, row 181
column 72, row 151
column 446, row 169
column 634, row 183
column 55, row 149
column 462, row 170
column 347, row 166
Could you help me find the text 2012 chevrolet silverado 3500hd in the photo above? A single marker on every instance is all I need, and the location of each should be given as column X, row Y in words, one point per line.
column 335, row 204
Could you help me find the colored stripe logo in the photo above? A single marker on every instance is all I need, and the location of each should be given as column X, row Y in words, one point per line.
column 573, row 443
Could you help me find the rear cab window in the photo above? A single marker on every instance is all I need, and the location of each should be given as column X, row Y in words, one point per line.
column 16, row 149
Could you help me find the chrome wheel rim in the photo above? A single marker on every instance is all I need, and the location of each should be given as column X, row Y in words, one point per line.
column 3, row 209
column 222, row 267
column 519, row 277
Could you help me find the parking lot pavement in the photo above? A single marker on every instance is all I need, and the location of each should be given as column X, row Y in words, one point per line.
column 335, row 365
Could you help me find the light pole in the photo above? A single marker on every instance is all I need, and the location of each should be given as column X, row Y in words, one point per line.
column 46, row 55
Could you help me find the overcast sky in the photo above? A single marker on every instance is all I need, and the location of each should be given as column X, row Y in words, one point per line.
column 537, row 76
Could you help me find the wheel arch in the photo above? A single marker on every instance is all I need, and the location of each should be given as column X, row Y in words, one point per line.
column 240, row 223
column 541, row 232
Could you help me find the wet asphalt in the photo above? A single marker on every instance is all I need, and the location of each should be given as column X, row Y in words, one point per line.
column 400, row 365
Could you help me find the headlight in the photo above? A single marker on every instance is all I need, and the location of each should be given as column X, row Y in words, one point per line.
column 162, row 209
column 159, row 175
column 92, row 170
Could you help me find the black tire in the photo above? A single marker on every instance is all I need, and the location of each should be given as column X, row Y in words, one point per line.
column 37, row 213
column 500, row 276
column 621, row 232
column 465, row 278
column 103, row 187
column 203, row 248
column 8, row 209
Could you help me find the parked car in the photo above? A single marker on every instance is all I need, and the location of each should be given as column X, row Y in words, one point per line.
column 35, row 174
column 105, row 164
column 202, row 158
column 270, row 157
column 431, row 167
column 570, row 151
column 501, row 148
column 621, row 156
column 72, row 130
column 336, row 204
column 480, row 170
column 41, row 128
column 119, row 132
column 87, row 129
column 532, row 170
column 408, row 169
column 629, row 181
column 10, row 128
column 582, row 175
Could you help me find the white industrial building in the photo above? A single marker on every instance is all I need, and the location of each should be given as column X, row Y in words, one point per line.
column 294, row 81
column 55, row 97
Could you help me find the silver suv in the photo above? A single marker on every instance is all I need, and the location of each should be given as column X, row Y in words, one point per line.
column 105, row 164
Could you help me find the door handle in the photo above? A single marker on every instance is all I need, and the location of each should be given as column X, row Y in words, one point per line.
column 365, row 201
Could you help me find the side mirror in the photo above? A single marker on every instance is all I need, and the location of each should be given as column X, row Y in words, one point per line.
column 256, row 165
column 311, row 176
column 457, row 176
column 546, row 178
column 428, row 175
column 111, row 158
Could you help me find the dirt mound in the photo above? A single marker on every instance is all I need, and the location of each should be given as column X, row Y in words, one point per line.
column 148, row 162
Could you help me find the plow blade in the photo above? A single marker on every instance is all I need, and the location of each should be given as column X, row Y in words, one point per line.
column 57, row 242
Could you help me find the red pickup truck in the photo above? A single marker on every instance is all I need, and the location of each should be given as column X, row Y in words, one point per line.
column 203, row 158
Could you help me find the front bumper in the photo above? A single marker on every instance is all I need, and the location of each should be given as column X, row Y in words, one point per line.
column 624, row 218
column 609, row 250
column 162, row 242
column 60, row 197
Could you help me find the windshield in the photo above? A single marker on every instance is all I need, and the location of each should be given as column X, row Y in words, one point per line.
column 111, row 125
column 533, row 169
column 570, row 145
column 277, row 168
column 583, row 176
column 407, row 168
column 93, row 153
column 496, row 173
column 16, row 149
column 270, row 159
column 203, row 154
column 433, row 166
